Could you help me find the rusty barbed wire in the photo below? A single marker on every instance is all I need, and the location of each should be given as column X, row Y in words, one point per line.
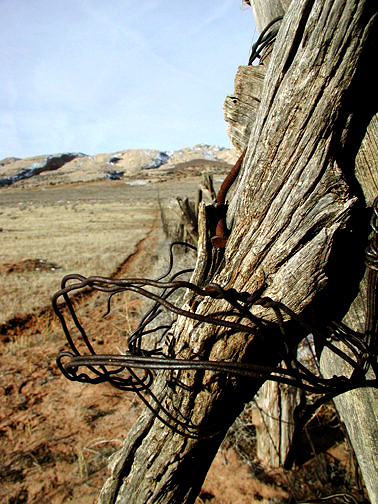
column 135, row 369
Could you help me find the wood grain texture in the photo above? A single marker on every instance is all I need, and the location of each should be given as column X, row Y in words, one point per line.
column 273, row 419
column 265, row 11
column 366, row 161
column 240, row 109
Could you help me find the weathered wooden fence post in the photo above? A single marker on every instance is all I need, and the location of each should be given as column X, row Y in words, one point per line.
column 294, row 212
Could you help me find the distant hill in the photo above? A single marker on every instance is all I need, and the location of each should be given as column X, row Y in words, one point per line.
column 66, row 168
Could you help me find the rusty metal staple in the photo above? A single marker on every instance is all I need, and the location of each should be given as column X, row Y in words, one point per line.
column 123, row 371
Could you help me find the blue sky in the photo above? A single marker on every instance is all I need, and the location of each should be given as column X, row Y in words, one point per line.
column 100, row 76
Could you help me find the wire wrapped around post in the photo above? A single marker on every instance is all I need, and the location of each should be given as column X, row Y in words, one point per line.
column 135, row 369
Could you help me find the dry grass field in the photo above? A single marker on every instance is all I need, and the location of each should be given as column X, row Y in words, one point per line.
column 88, row 229
column 70, row 236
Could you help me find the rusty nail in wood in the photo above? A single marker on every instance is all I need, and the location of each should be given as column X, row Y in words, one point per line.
column 221, row 234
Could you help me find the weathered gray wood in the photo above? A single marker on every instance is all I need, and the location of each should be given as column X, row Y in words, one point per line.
column 273, row 419
column 265, row 11
column 189, row 219
column 275, row 403
column 366, row 161
column 358, row 410
column 240, row 109
column 291, row 200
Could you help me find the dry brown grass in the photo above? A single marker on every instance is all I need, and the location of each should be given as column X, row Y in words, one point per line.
column 82, row 237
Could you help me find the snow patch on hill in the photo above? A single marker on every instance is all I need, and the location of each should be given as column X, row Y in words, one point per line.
column 78, row 167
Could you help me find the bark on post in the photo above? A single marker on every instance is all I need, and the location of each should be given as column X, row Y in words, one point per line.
column 292, row 205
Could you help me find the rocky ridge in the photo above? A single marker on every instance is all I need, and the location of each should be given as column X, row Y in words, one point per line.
column 79, row 167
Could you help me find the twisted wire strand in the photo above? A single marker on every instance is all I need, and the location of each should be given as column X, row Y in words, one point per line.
column 264, row 39
column 148, row 362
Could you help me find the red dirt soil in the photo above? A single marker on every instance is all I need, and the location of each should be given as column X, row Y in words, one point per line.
column 28, row 265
